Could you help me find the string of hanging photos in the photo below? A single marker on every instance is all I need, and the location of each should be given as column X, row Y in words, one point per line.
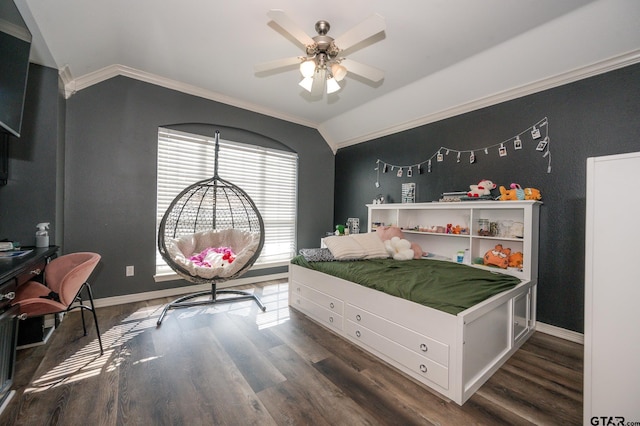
column 539, row 132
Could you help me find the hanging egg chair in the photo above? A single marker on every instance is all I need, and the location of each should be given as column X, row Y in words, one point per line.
column 211, row 232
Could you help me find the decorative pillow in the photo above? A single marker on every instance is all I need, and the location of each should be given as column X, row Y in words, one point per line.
column 344, row 247
column 372, row 245
column 317, row 255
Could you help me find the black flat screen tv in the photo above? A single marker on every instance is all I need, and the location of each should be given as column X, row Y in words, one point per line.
column 15, row 46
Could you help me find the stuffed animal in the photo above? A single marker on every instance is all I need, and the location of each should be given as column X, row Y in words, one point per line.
column 386, row 233
column 516, row 259
column 497, row 256
column 399, row 249
column 532, row 194
column 517, row 193
column 484, row 187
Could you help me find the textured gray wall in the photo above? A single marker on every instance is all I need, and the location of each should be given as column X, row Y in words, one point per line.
column 110, row 173
column 592, row 117
column 31, row 194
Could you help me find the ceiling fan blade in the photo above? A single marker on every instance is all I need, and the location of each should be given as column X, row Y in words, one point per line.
column 365, row 71
column 281, row 18
column 367, row 28
column 276, row 64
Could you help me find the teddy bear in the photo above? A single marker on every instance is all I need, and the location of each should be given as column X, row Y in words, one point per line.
column 483, row 187
column 497, row 256
column 386, row 233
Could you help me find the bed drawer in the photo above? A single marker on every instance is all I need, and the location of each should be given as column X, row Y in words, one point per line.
column 318, row 297
column 416, row 362
column 416, row 342
column 317, row 312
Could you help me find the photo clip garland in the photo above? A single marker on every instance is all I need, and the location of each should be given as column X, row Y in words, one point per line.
column 539, row 133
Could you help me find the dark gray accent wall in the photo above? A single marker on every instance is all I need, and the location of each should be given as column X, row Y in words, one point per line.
column 32, row 194
column 592, row 117
column 110, row 173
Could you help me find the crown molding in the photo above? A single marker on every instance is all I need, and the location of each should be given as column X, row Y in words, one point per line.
column 74, row 85
column 577, row 74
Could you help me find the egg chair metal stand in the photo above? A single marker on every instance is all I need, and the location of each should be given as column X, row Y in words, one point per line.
column 202, row 215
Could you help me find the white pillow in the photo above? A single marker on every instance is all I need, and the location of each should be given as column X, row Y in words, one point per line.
column 344, row 248
column 372, row 244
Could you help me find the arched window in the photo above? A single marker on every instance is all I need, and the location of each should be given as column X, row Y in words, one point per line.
column 269, row 176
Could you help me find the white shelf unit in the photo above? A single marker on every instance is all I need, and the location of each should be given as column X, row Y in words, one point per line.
column 411, row 216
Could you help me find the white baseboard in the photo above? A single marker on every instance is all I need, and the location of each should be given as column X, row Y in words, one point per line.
column 177, row 291
column 562, row 333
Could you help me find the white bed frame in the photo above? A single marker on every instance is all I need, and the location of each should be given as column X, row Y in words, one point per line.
column 451, row 354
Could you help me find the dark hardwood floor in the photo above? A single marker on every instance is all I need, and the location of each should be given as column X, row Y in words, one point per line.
column 231, row 364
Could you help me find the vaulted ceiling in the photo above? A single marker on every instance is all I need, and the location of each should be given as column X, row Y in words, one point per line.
column 439, row 57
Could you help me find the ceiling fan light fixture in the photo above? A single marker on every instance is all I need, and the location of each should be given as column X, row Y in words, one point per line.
column 339, row 72
column 307, row 68
column 306, row 83
column 332, row 86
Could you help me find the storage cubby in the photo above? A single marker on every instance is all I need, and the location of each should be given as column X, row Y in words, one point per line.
column 512, row 224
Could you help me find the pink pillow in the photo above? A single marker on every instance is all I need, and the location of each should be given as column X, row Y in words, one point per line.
column 388, row 232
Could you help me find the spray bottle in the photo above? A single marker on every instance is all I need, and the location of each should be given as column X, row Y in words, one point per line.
column 42, row 236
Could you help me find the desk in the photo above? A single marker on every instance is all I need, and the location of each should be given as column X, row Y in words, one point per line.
column 13, row 272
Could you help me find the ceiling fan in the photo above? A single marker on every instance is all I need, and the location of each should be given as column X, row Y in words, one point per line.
column 323, row 66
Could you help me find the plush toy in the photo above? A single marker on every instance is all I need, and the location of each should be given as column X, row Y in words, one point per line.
column 386, row 233
column 484, row 187
column 497, row 256
column 517, row 193
column 399, row 249
column 516, row 259
column 532, row 194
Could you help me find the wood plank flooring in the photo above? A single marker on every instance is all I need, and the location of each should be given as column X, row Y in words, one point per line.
column 231, row 364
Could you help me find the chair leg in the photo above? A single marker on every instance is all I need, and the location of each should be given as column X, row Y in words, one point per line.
column 95, row 317
column 84, row 324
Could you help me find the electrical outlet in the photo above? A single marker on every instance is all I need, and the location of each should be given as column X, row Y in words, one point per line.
column 129, row 271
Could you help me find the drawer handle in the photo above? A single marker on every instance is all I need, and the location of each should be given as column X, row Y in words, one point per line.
column 331, row 305
column 35, row 271
column 9, row 296
column 424, row 347
column 358, row 317
column 330, row 319
column 357, row 333
column 22, row 316
column 423, row 368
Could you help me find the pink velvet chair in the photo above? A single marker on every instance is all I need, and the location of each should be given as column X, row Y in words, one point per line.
column 64, row 279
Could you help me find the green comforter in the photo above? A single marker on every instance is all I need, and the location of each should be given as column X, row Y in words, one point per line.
column 446, row 286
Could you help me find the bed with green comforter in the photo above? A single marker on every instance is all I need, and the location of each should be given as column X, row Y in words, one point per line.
column 447, row 286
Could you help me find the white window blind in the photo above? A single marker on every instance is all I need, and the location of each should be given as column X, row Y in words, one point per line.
column 269, row 176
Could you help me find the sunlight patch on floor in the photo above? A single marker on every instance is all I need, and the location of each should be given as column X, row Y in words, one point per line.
column 87, row 362
column 275, row 298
